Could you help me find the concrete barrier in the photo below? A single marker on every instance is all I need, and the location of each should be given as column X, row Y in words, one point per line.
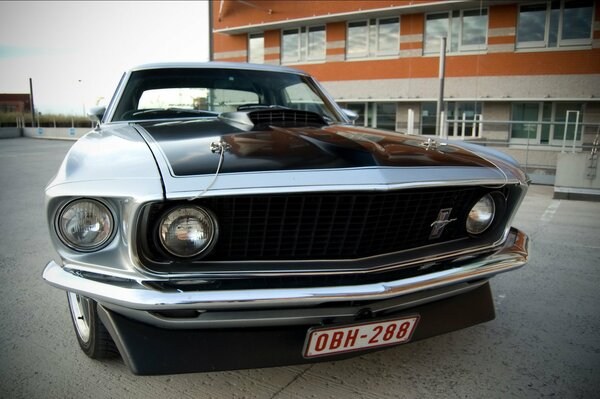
column 577, row 177
column 63, row 133
column 10, row 132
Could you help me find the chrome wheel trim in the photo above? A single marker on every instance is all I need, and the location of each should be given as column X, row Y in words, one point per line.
column 81, row 314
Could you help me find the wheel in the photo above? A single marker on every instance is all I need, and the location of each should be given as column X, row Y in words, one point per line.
column 93, row 338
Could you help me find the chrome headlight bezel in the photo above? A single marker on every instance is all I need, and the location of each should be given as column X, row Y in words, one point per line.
column 63, row 236
column 206, row 248
column 491, row 203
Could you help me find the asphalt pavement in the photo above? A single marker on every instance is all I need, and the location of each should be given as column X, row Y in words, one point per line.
column 545, row 340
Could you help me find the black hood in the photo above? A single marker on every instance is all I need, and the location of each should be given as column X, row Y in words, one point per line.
column 187, row 147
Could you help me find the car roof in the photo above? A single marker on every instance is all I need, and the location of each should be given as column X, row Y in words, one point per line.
column 223, row 65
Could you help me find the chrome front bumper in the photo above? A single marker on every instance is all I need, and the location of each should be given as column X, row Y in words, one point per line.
column 137, row 296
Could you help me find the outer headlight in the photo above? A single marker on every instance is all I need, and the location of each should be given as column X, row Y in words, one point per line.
column 481, row 215
column 187, row 231
column 85, row 225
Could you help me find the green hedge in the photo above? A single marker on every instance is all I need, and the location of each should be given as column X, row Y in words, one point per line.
column 9, row 119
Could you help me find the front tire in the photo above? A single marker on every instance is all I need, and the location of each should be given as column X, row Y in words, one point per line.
column 92, row 336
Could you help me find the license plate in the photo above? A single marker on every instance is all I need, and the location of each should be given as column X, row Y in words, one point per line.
column 334, row 340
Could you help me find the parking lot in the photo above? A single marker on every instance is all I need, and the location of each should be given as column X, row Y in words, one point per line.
column 545, row 340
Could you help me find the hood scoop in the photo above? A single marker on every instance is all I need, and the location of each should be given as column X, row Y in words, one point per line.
column 280, row 117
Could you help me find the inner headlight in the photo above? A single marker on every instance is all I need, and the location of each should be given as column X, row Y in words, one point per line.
column 85, row 225
column 187, row 231
column 481, row 215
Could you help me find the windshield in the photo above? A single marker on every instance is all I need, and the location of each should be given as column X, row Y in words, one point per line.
column 205, row 92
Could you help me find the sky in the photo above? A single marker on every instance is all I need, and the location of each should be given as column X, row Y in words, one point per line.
column 76, row 51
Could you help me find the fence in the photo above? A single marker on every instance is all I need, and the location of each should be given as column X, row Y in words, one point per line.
column 17, row 120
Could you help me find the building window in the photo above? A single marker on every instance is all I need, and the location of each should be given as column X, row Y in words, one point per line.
column 303, row 44
column 545, row 123
column 462, row 118
column 315, row 43
column 379, row 115
column 555, row 24
column 428, row 118
column 465, row 30
column 372, row 38
column 256, row 48
column 385, row 116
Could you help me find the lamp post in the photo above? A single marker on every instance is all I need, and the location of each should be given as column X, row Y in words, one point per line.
column 31, row 101
column 81, row 93
column 440, row 102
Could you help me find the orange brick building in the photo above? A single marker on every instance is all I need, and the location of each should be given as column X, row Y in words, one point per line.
column 515, row 70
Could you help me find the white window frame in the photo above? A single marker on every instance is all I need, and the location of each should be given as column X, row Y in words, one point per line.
column 380, row 52
column 369, row 52
column 472, row 47
column 298, row 46
column 560, row 42
column 262, row 34
column 364, row 54
column 303, row 53
column 307, row 55
column 460, row 47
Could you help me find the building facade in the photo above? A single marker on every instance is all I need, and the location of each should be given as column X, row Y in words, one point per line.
column 19, row 103
column 517, row 73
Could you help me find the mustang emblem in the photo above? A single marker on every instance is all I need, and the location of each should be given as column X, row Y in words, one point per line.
column 430, row 144
column 441, row 222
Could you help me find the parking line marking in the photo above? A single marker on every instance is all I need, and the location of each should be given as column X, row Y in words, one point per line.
column 550, row 211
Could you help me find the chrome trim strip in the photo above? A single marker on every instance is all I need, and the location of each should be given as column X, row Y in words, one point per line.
column 290, row 317
column 110, row 111
column 512, row 256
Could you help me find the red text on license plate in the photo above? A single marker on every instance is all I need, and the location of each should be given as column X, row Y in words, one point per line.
column 328, row 341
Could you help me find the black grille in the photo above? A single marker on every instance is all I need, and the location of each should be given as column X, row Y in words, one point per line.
column 285, row 117
column 336, row 225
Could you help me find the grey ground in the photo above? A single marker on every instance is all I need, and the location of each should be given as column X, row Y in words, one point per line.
column 545, row 340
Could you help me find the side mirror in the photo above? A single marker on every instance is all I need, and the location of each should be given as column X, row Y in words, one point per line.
column 353, row 116
column 96, row 114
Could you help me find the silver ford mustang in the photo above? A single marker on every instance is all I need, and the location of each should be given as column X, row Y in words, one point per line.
column 225, row 216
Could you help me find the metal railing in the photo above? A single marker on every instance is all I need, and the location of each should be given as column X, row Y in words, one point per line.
column 592, row 164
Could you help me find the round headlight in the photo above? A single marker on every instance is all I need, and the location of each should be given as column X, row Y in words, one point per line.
column 187, row 231
column 85, row 225
column 481, row 215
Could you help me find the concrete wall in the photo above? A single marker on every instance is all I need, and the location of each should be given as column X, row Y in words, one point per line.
column 532, row 88
column 575, row 179
column 10, row 132
column 496, row 111
column 64, row 133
